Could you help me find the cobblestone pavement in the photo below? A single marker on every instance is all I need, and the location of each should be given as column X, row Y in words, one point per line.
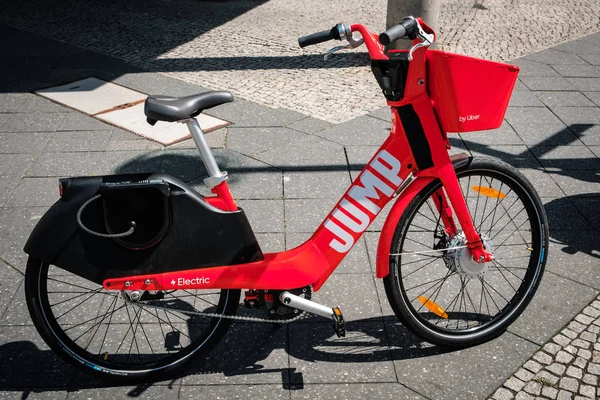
column 287, row 170
column 250, row 47
column 566, row 367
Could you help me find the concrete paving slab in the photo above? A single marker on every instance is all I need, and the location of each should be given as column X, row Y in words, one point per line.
column 249, row 354
column 125, row 162
column 517, row 156
column 577, row 71
column 314, row 154
column 234, row 392
column 64, row 164
column 543, row 182
column 148, row 392
column 538, row 115
column 74, row 141
column 563, row 215
column 365, row 391
column 557, row 134
column 564, row 99
column 265, row 216
column 438, row 375
column 309, row 125
column 76, row 121
column 253, row 141
column 271, row 242
column 14, row 143
column 247, row 114
column 553, row 56
column 524, row 99
column 316, row 184
column 35, row 395
column 587, row 84
column 34, row 192
column 10, row 281
column 305, row 215
column 503, row 135
column 578, row 183
column 43, row 122
column 593, row 59
column 16, row 224
column 359, row 131
column 578, row 115
column 566, row 157
column 316, row 354
column 588, row 207
column 91, row 95
column 534, row 68
column 575, row 255
column 542, row 319
column 23, row 350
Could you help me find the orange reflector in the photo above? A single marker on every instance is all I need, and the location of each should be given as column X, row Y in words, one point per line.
column 434, row 308
column 489, row 192
column 530, row 249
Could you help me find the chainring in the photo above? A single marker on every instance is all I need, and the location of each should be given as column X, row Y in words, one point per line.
column 268, row 302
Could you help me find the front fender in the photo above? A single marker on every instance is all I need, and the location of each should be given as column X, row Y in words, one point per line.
column 389, row 226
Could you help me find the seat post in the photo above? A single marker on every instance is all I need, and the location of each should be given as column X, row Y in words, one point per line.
column 215, row 176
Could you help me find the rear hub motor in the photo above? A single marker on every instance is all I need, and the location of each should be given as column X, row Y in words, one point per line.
column 458, row 258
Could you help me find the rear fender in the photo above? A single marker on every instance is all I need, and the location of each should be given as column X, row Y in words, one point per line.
column 389, row 226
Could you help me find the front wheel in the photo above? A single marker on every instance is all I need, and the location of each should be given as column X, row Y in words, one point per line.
column 436, row 289
column 116, row 335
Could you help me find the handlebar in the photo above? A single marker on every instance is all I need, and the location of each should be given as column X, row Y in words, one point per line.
column 319, row 37
column 407, row 27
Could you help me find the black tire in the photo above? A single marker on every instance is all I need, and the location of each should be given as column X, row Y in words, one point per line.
column 431, row 314
column 105, row 316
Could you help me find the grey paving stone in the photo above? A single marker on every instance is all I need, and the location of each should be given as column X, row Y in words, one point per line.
column 548, row 83
column 577, row 71
column 120, row 134
column 271, row 242
column 305, row 215
column 534, row 68
column 539, row 322
column 487, row 366
column 234, row 392
column 248, row 354
column 34, row 192
column 309, row 125
column 501, row 136
column 566, row 157
column 355, row 262
column 43, row 122
column 247, row 114
column 28, row 363
column 587, row 84
column 76, row 121
column 16, row 224
column 15, row 165
column 265, row 216
column 249, row 185
column 22, row 142
column 593, row 59
column 28, row 103
column 524, row 99
column 10, row 281
column 593, row 96
column 149, row 392
column 562, row 215
column 546, row 134
column 568, row 248
column 252, row 141
column 517, row 156
column 537, row 115
column 588, row 207
column 364, row 391
column 183, row 164
column 564, row 99
column 359, row 131
column 578, row 115
column 124, row 162
column 155, row 84
column 579, row 47
column 341, row 290
column 316, row 184
column 66, row 142
column 66, row 164
column 315, row 154
column 316, row 353
column 33, row 395
column 382, row 113
column 135, row 145
column 578, row 182
column 551, row 56
column 359, row 156
column 543, row 183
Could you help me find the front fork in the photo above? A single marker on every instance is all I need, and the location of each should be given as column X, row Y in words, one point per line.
column 452, row 188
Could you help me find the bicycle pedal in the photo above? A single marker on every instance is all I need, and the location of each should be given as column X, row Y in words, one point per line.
column 339, row 325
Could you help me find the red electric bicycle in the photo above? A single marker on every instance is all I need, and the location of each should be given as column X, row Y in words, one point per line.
column 132, row 275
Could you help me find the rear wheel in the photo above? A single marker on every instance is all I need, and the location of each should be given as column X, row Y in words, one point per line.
column 436, row 288
column 107, row 334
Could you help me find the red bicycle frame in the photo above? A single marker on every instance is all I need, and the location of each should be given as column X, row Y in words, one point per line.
column 414, row 155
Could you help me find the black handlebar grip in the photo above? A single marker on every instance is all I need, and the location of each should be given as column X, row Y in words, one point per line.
column 315, row 38
column 407, row 27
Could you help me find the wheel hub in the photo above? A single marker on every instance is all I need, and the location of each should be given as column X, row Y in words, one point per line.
column 459, row 258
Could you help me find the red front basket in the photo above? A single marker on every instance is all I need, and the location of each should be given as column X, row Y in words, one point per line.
column 469, row 94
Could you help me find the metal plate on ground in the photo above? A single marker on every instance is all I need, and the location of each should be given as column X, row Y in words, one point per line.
column 123, row 108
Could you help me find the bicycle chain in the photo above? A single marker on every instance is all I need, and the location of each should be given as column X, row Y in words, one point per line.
column 215, row 315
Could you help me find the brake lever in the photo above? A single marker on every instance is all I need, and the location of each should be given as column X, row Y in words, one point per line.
column 426, row 39
column 345, row 34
